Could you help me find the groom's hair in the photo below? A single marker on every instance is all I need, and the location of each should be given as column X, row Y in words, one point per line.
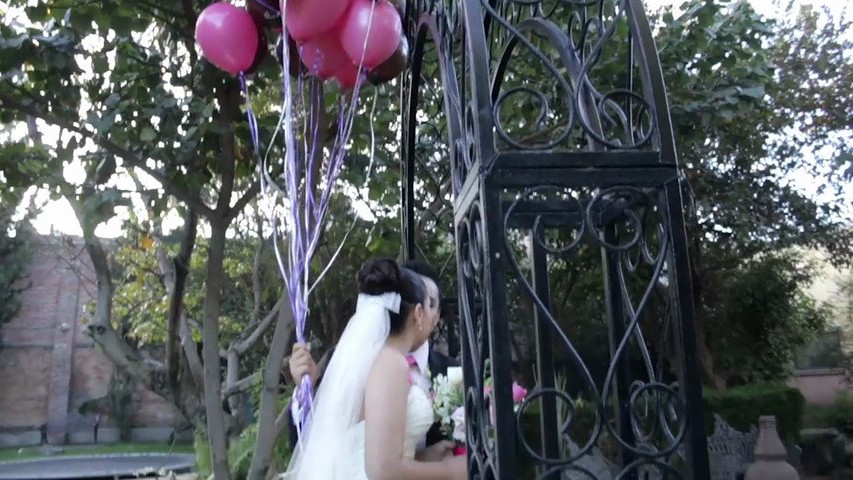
column 426, row 270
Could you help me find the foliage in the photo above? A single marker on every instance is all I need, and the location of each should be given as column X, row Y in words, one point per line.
column 15, row 234
column 740, row 407
column 838, row 415
column 14, row 257
column 202, row 454
column 142, row 301
column 239, row 453
column 827, row 351
column 762, row 318
column 720, row 78
column 845, row 292
column 727, row 67
column 818, row 104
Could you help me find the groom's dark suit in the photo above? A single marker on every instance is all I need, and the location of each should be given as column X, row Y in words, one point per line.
column 438, row 365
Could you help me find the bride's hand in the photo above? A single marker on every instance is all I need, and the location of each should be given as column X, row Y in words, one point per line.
column 456, row 467
column 302, row 364
column 436, row 452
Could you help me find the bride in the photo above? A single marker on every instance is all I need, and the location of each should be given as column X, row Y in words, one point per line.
column 369, row 417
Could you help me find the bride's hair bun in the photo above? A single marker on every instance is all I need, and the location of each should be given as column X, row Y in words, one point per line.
column 379, row 276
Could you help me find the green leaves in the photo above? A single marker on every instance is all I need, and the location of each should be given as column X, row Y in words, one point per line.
column 14, row 257
column 100, row 206
column 762, row 318
column 147, row 135
column 753, row 92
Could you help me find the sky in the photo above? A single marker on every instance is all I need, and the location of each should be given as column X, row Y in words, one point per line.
column 57, row 216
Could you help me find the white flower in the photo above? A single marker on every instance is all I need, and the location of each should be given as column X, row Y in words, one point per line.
column 454, row 375
column 458, row 419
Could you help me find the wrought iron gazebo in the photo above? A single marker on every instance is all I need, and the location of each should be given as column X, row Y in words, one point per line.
column 554, row 117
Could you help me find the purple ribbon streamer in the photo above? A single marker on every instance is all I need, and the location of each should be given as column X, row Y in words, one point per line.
column 250, row 114
column 306, row 219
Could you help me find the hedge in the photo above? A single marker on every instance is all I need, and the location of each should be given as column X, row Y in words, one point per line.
column 740, row 407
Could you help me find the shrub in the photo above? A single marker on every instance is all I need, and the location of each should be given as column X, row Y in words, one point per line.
column 202, row 454
column 240, row 453
column 839, row 415
column 740, row 407
column 243, row 447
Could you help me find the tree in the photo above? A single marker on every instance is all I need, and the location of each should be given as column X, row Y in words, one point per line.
column 763, row 319
column 720, row 80
column 120, row 90
column 124, row 87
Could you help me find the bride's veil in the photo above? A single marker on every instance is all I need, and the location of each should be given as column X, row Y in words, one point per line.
column 325, row 446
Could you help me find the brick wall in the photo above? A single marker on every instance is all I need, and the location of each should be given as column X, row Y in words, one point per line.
column 48, row 367
column 24, row 376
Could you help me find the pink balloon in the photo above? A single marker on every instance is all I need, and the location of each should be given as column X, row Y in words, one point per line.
column 348, row 75
column 307, row 19
column 384, row 32
column 227, row 37
column 323, row 56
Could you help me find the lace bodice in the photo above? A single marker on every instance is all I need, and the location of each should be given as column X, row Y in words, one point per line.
column 419, row 419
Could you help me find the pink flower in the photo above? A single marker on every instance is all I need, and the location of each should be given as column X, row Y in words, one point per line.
column 458, row 419
column 518, row 393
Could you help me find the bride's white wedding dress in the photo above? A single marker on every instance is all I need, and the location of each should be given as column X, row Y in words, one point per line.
column 333, row 447
column 419, row 419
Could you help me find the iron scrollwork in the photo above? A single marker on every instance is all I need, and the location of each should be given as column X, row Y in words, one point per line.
column 540, row 130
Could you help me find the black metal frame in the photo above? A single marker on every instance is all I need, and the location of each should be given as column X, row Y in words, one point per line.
column 606, row 174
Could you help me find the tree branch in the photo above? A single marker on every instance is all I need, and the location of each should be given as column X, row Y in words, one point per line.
column 191, row 351
column 132, row 159
column 176, row 303
column 244, row 345
column 191, row 17
column 269, row 395
column 256, row 272
column 101, row 329
column 248, row 196
column 240, row 385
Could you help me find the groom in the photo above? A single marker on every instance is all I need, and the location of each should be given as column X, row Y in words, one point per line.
column 423, row 361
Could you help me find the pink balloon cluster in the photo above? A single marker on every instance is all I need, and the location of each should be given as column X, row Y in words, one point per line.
column 338, row 36
column 333, row 38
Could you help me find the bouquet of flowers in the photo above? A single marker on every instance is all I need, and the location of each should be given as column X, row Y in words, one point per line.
column 449, row 404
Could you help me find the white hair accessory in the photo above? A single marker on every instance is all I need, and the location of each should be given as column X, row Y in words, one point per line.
column 390, row 301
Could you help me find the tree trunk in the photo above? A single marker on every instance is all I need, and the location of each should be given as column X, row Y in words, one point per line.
column 706, row 359
column 210, row 352
column 235, row 401
column 269, row 397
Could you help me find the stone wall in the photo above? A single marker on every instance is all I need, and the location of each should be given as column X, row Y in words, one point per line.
column 49, row 367
column 820, row 386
